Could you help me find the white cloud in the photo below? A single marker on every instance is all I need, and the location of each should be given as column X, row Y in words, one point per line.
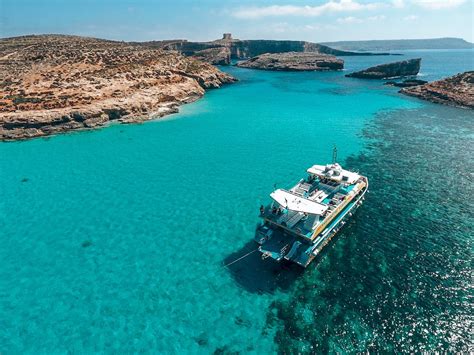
column 352, row 19
column 349, row 19
column 376, row 18
column 312, row 27
column 287, row 28
column 293, row 10
column 399, row 4
column 438, row 4
column 410, row 18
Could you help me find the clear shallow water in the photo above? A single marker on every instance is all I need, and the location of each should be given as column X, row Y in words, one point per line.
column 115, row 239
column 400, row 276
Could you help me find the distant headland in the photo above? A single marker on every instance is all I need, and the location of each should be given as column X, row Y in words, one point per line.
column 401, row 44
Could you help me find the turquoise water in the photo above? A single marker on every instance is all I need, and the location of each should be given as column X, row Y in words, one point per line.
column 116, row 239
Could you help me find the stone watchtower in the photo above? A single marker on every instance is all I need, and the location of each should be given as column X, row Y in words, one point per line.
column 227, row 36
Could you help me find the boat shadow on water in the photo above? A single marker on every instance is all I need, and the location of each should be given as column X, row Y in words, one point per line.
column 257, row 275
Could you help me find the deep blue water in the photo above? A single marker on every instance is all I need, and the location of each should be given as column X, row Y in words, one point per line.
column 115, row 239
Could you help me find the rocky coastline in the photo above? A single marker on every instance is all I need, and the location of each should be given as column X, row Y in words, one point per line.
column 391, row 70
column 221, row 51
column 53, row 84
column 293, row 61
column 457, row 90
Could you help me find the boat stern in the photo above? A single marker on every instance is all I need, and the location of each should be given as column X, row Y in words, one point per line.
column 274, row 243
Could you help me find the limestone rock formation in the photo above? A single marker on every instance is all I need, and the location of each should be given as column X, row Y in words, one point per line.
column 215, row 56
column 293, row 61
column 52, row 83
column 457, row 90
column 244, row 49
column 390, row 70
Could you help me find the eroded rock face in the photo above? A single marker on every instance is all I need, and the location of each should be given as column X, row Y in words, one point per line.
column 390, row 70
column 293, row 61
column 52, row 84
column 215, row 56
column 457, row 90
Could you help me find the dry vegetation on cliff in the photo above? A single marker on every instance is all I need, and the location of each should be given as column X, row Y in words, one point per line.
column 457, row 90
column 54, row 83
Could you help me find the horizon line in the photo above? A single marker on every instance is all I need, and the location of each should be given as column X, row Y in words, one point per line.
column 246, row 39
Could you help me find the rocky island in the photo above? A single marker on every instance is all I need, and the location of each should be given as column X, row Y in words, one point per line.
column 54, row 83
column 293, row 61
column 391, row 70
column 457, row 90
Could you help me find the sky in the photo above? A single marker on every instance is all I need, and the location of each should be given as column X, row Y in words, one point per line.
column 316, row 21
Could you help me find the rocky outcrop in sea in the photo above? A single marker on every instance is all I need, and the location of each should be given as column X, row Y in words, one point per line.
column 293, row 61
column 457, row 90
column 53, row 83
column 391, row 70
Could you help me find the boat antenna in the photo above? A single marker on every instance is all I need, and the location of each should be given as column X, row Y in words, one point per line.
column 334, row 154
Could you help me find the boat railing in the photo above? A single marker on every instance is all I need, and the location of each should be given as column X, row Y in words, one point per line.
column 328, row 219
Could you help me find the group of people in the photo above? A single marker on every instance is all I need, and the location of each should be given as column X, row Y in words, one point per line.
column 277, row 211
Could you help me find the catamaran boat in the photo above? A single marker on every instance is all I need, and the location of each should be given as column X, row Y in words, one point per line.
column 302, row 220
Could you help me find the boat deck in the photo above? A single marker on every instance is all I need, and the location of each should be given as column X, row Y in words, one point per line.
column 302, row 220
column 325, row 193
column 278, row 246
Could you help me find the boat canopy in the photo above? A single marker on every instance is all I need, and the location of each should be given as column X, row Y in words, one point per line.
column 334, row 172
column 297, row 203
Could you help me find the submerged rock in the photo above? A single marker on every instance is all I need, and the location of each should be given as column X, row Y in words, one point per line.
column 86, row 243
column 293, row 61
column 406, row 83
column 457, row 90
column 390, row 70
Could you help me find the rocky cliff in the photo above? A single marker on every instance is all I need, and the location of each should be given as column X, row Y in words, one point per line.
column 52, row 84
column 215, row 56
column 244, row 49
column 457, row 90
column 293, row 61
column 390, row 70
